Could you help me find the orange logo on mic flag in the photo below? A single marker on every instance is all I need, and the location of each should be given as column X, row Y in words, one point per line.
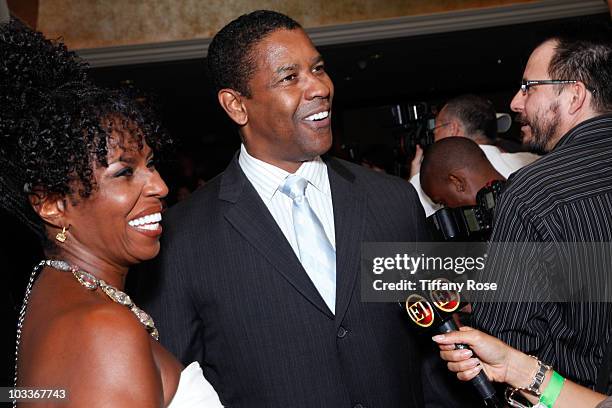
column 419, row 310
column 445, row 300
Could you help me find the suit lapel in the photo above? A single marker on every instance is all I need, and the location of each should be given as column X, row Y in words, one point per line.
column 349, row 216
column 252, row 219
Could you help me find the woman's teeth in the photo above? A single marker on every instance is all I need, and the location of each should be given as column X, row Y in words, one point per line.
column 149, row 222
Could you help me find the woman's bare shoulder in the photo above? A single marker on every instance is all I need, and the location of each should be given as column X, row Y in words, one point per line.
column 105, row 357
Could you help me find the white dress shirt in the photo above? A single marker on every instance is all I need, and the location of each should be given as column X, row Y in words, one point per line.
column 267, row 179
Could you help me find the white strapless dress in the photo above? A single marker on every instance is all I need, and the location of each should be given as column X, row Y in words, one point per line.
column 194, row 391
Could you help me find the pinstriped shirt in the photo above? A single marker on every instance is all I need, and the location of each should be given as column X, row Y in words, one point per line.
column 566, row 196
column 266, row 179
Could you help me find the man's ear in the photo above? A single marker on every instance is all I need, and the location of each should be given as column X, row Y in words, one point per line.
column 51, row 208
column 578, row 97
column 232, row 103
column 456, row 127
column 458, row 182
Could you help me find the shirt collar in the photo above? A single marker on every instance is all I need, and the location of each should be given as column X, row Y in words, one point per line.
column 315, row 171
column 585, row 129
column 267, row 178
column 489, row 148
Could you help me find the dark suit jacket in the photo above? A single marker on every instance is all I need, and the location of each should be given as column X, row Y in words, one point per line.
column 232, row 294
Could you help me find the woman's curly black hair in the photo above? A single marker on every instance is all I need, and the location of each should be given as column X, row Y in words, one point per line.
column 55, row 124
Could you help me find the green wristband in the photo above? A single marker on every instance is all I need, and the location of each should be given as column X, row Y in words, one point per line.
column 553, row 389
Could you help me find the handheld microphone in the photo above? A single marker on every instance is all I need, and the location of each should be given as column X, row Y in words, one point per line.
column 434, row 313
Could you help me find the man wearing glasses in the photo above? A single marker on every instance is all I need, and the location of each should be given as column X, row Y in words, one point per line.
column 537, row 134
column 565, row 108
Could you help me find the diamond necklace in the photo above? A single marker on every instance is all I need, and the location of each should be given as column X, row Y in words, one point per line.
column 91, row 283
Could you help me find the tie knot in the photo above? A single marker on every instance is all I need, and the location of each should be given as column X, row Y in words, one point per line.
column 294, row 186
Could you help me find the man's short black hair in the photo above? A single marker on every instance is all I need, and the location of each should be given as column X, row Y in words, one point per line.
column 477, row 114
column 231, row 61
column 585, row 54
column 450, row 154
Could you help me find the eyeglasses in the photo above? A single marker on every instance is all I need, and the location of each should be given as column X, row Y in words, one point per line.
column 441, row 125
column 526, row 84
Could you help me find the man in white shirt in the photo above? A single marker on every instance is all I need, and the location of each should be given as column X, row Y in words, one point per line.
column 473, row 117
column 260, row 267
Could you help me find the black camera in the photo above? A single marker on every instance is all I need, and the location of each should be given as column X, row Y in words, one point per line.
column 392, row 130
column 472, row 223
column 413, row 125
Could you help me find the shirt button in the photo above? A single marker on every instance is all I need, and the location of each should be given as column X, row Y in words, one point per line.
column 342, row 332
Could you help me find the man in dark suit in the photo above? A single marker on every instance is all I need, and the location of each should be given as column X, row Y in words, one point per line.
column 237, row 289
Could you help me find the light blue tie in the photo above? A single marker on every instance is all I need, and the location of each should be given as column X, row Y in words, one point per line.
column 317, row 254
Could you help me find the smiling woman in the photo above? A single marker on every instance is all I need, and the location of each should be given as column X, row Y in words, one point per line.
column 77, row 168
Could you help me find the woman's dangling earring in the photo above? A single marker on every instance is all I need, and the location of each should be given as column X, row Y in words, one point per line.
column 61, row 236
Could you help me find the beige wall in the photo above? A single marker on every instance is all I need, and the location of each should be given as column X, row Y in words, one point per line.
column 103, row 23
column 26, row 10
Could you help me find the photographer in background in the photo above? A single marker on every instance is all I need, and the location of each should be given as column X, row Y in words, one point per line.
column 472, row 117
column 454, row 170
column 457, row 175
